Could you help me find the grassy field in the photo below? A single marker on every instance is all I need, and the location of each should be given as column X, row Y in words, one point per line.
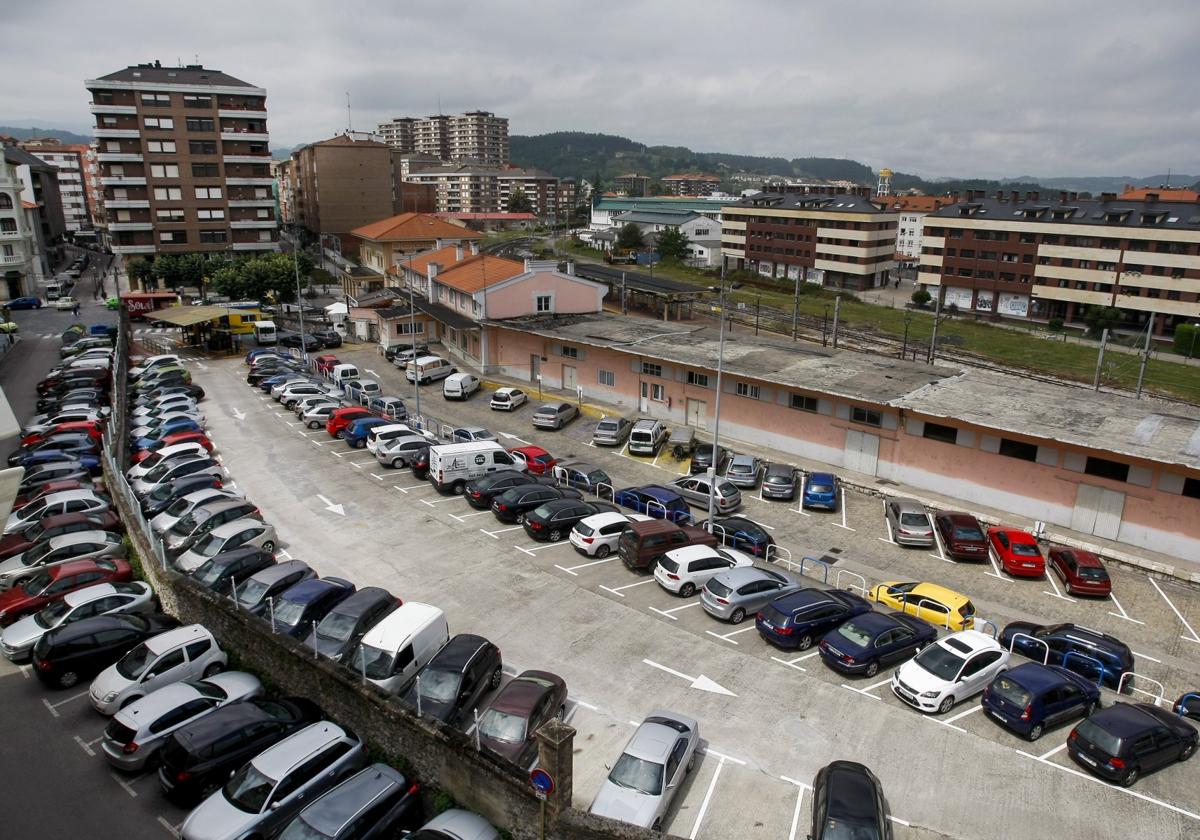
column 1033, row 348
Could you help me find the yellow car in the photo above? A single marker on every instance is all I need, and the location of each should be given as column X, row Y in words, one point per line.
column 9, row 327
column 927, row 601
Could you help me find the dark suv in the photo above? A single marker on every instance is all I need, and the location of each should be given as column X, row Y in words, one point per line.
column 1125, row 740
column 1095, row 655
column 343, row 627
column 515, row 502
column 455, row 680
column 643, row 544
column 82, row 649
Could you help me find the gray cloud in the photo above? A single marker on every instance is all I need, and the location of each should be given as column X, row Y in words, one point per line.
column 929, row 86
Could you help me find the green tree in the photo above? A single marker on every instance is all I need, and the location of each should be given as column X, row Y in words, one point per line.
column 673, row 243
column 630, row 236
column 141, row 273
column 1101, row 318
column 1187, row 340
column 921, row 297
column 518, row 202
column 227, row 281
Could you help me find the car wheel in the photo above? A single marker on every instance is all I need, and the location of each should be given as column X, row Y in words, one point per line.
column 947, row 705
column 555, row 536
column 1187, row 751
column 602, row 552
column 737, row 616
column 872, row 669
column 359, row 444
column 687, row 590
column 520, row 519
column 1035, row 731
column 497, row 675
column 397, row 463
column 68, row 679
column 129, row 700
column 209, row 789
column 268, row 546
column 657, row 825
column 562, row 712
column 459, row 488
column 1131, row 776
column 1090, row 710
column 805, row 642
column 213, row 669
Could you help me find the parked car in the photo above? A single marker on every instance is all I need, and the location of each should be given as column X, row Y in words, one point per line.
column 951, row 669
column 466, row 434
column 19, row 637
column 343, row 417
column 326, row 362
column 554, row 415
column 196, row 436
column 1032, row 697
column 533, row 459
column 743, row 534
column 457, row 824
column 1127, row 740
column 224, row 572
column 655, row 501
column 646, row 437
column 682, row 571
column 38, row 476
column 185, row 653
column 1188, row 705
column 682, row 442
column 1097, row 656
column 392, row 407
column 611, row 431
column 343, row 627
column 318, row 414
column 696, row 489
column 54, row 583
column 299, row 608
column 1081, row 572
column 198, row 759
column 703, row 460
column 848, row 797
column 328, row 338
column 554, row 520
column 930, row 602
column 170, row 470
column 136, row 733
column 796, row 620
column 820, row 491
column 908, row 522
column 162, row 455
column 730, row 596
column 455, row 680
column 643, row 544
column 25, row 303
column 355, row 434
column 1018, row 552
column 203, row 519
column 51, row 488
column 264, row 795
column 78, row 545
column 400, row 451
column 509, row 724
column 597, row 535
column 874, row 640
column 420, row 464
column 236, row 534
column 744, row 471
column 184, row 506
column 961, row 535
column 81, row 649
column 45, row 529
column 514, row 503
column 460, row 386
column 646, row 778
column 164, row 495
column 479, row 492
column 373, row 804
column 508, row 399
column 779, row 481
column 255, row 590
column 583, row 476
column 360, row 390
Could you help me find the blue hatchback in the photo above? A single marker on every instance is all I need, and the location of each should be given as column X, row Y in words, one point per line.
column 656, row 502
column 87, row 459
column 302, row 606
column 1031, row 697
column 355, row 434
column 871, row 641
column 798, row 619
column 179, row 424
column 820, row 491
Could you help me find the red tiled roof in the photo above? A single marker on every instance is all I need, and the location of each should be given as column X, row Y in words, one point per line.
column 1163, row 193
column 408, row 226
column 919, row 203
column 479, row 272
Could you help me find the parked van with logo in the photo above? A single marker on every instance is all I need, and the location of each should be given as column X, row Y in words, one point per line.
column 452, row 465
column 646, row 437
column 392, row 651
column 426, row 369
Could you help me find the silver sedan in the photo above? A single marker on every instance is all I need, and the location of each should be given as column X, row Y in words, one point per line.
column 102, row 599
column 733, row 595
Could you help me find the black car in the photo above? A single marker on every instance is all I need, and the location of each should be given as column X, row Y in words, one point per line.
column 514, row 503
column 266, row 371
column 84, row 648
column 1126, row 740
column 198, row 758
column 419, row 464
column 848, row 802
column 396, row 349
column 741, row 533
column 35, row 477
column 222, row 573
column 269, row 583
column 328, row 338
column 1097, row 656
column 702, row 459
column 344, row 626
column 875, row 640
column 300, row 607
column 308, row 342
column 479, row 492
column 455, row 680
column 554, row 520
column 164, row 495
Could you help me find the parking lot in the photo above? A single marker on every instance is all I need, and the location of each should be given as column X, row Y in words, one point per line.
column 770, row 719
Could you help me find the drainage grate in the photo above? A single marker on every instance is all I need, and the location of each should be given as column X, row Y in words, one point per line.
column 831, row 558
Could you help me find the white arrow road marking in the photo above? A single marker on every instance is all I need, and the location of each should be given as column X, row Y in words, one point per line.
column 239, row 415
column 701, row 682
column 514, row 437
column 338, row 509
column 368, row 370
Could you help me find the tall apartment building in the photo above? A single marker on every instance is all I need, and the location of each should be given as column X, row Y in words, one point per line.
column 22, row 259
column 70, row 163
column 690, row 183
column 840, row 239
column 478, row 188
column 184, row 161
column 1053, row 257
column 472, row 136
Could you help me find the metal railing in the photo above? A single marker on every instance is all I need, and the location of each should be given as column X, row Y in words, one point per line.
column 778, row 550
column 1129, row 677
column 820, row 564
column 861, row 587
column 1071, row 654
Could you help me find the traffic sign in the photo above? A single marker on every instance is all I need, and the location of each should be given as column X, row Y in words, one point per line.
column 542, row 782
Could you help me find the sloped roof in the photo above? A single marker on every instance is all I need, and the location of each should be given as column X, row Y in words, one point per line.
column 916, row 203
column 420, row 262
column 479, row 272
column 409, row 226
column 190, row 75
column 1163, row 193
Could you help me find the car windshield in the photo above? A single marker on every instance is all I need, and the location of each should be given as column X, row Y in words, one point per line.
column 248, row 789
column 854, row 634
column 1011, row 691
column 251, row 592
column 1099, row 736
column 34, row 532
column 52, row 615
column 914, row 520
column 298, row 829
column 500, row 397
column 848, row 829
column 177, row 507
column 940, row 662
column 289, row 612
column 32, row 508
column 967, row 532
column 778, row 478
column 374, row 662
column 1025, row 550
column 35, row 584
column 337, row 627
column 438, row 685
column 1092, row 573
column 162, row 492
column 208, row 546
column 726, row 489
column 739, row 468
column 637, row 774
column 186, row 524
column 816, row 487
column 31, row 557
column 543, row 511
column 607, row 426
column 155, row 475
column 135, row 663
column 209, row 573
column 502, row 726
column 717, row 588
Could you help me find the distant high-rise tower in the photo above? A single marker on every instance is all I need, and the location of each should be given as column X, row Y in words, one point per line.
column 885, row 182
column 475, row 136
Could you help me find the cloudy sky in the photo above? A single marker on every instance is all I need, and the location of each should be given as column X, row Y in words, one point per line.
column 933, row 87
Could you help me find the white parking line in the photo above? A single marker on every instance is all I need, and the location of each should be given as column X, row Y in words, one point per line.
column 340, row 454
column 995, row 568
column 25, row 670
column 866, row 692
column 125, row 783
column 944, row 723
column 571, row 569
column 1174, row 609
column 377, row 476
column 439, row 501
column 496, row 534
column 843, row 506
column 467, row 516
column 707, row 798
column 406, row 489
column 85, row 746
column 53, row 707
column 799, row 802
column 530, row 551
column 619, row 589
column 283, row 552
column 1144, row 656
column 1059, row 748
column 970, row 711
column 316, row 443
column 791, row 663
column 173, row 829
column 1122, row 613
column 671, row 612
column 941, row 555
column 725, row 638
column 1054, row 585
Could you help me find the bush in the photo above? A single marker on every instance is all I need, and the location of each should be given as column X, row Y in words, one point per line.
column 1187, row 339
column 1055, row 324
column 1101, row 318
column 921, row 297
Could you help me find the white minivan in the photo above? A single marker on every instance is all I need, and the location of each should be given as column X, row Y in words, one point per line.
column 452, row 465
column 428, row 369
column 392, row 651
column 460, row 386
column 342, row 373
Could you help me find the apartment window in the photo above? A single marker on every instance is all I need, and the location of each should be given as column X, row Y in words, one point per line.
column 123, row 216
column 202, row 147
column 108, row 121
column 1104, row 468
column 543, row 303
column 112, row 146
column 1191, row 487
column 265, row 236
column 866, row 416
column 175, row 215
column 210, row 215
column 156, row 100
column 213, row 237
column 164, row 170
column 936, row 431
column 569, row 352
column 264, row 213
column 8, row 225
column 745, row 389
column 168, row 194
column 407, row 327
column 208, row 192
column 172, row 236
column 698, row 379
column 158, row 147
column 606, row 377
column 160, row 122
column 200, row 124
column 197, row 101
column 651, row 369
column 800, row 402
column 205, row 170
column 658, row 392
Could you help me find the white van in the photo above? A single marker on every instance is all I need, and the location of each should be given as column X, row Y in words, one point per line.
column 427, row 369
column 392, row 651
column 340, row 373
column 265, row 333
column 452, row 465
column 646, row 437
column 460, row 386
column 53, row 291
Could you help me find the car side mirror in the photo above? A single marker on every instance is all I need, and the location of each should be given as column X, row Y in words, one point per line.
column 275, row 805
column 149, row 676
column 673, row 785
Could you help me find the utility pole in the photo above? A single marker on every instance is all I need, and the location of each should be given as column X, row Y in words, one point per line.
column 837, row 310
column 907, row 321
column 1100, row 359
column 624, row 305
column 757, row 312
column 1145, row 358
column 796, row 305
column 937, row 320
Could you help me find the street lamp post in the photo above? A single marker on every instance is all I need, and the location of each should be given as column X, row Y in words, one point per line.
column 1192, row 348
column 299, row 300
column 712, row 470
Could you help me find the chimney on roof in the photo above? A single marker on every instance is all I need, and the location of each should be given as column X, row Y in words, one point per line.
column 1108, row 196
column 1033, row 195
column 458, row 253
column 1151, row 197
column 474, row 247
column 1014, row 196
column 1073, row 196
column 431, row 270
column 999, row 195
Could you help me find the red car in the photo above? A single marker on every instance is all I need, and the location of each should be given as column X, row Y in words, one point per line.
column 53, row 583
column 342, row 418
column 90, row 427
column 325, row 363
column 52, row 487
column 170, row 440
column 536, row 459
column 961, row 536
column 1018, row 552
column 56, row 526
column 1080, row 571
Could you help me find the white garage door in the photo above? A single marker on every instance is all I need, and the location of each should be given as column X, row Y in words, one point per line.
column 862, row 452
column 1098, row 511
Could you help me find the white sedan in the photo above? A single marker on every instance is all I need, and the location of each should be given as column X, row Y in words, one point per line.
column 597, row 535
column 66, row 303
column 954, row 668
column 685, row 570
column 508, row 399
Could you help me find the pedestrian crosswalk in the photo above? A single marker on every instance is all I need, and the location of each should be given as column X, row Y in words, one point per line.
column 154, row 330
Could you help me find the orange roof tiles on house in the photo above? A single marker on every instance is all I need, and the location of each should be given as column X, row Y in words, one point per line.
column 410, row 226
column 420, row 262
column 476, row 273
column 1164, row 194
column 28, row 205
column 918, row 203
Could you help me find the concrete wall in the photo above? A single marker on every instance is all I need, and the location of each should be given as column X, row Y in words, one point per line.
column 512, row 300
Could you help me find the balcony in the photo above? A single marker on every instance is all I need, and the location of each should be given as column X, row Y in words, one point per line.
column 123, row 181
column 252, row 202
column 15, row 259
column 228, row 134
column 133, row 249
column 126, row 203
column 11, row 234
column 113, row 109
column 254, row 246
column 119, row 157
column 116, row 133
column 240, row 114
column 115, row 226
column 263, row 158
column 255, row 223
column 250, row 182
